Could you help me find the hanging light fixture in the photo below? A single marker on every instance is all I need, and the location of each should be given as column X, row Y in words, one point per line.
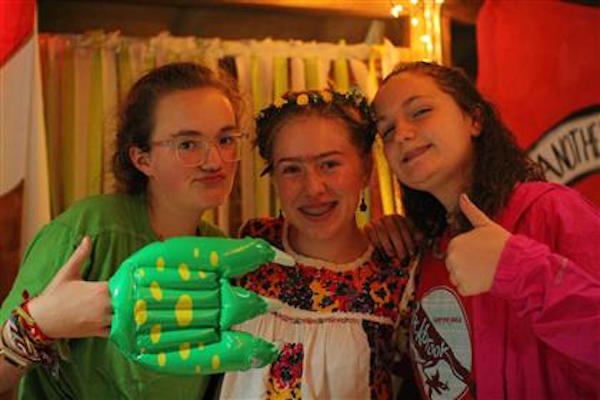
column 396, row 10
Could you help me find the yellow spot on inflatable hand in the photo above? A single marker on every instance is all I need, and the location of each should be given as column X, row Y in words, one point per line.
column 155, row 290
column 215, row 362
column 196, row 252
column 202, row 274
column 184, row 351
column 160, row 263
column 184, row 271
column 198, row 369
column 139, row 312
column 141, row 272
column 162, row 359
column 214, row 259
column 155, row 333
column 183, row 310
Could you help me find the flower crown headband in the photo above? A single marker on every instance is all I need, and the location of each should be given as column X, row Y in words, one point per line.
column 352, row 98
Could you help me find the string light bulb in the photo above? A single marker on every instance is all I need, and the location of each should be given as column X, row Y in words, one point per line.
column 396, row 10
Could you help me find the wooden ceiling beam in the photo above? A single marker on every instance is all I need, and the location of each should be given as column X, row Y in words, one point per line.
column 362, row 8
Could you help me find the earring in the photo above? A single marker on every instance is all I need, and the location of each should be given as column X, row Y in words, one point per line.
column 363, row 204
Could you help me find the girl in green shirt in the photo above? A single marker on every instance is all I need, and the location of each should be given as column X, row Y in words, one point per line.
column 177, row 146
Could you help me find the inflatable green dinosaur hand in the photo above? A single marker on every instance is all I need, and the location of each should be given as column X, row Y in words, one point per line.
column 173, row 305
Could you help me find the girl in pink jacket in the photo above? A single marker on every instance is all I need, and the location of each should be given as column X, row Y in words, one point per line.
column 507, row 283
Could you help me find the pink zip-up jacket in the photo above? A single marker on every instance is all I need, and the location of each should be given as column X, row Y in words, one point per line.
column 537, row 332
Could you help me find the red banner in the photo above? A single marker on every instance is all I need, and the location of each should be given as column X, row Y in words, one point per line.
column 16, row 25
column 538, row 62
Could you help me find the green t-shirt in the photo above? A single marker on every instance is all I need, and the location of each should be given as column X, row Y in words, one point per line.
column 118, row 226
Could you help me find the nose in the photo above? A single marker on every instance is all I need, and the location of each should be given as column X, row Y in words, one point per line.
column 314, row 183
column 404, row 130
column 213, row 160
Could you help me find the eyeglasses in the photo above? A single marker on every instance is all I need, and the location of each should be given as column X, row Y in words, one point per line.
column 191, row 152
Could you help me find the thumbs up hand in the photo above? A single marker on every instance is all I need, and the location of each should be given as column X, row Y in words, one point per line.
column 472, row 257
column 70, row 307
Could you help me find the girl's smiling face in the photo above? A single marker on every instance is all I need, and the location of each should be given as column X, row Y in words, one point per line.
column 319, row 175
column 427, row 136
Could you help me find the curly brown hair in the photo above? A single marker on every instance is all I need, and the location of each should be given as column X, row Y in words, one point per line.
column 136, row 116
column 499, row 164
column 351, row 108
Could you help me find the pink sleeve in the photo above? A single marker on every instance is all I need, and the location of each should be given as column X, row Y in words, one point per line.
column 554, row 280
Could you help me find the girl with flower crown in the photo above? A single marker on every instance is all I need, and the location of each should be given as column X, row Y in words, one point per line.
column 340, row 302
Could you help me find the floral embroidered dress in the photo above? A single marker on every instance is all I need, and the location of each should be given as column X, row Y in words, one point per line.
column 335, row 327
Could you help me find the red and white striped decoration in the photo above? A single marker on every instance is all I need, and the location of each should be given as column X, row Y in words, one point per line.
column 22, row 135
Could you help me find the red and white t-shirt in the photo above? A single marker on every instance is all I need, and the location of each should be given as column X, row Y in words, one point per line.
column 440, row 334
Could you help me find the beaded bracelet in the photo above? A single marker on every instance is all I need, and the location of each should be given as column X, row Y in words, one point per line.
column 28, row 324
column 7, row 351
column 23, row 343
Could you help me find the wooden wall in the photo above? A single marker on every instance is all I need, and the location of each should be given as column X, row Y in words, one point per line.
column 210, row 20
